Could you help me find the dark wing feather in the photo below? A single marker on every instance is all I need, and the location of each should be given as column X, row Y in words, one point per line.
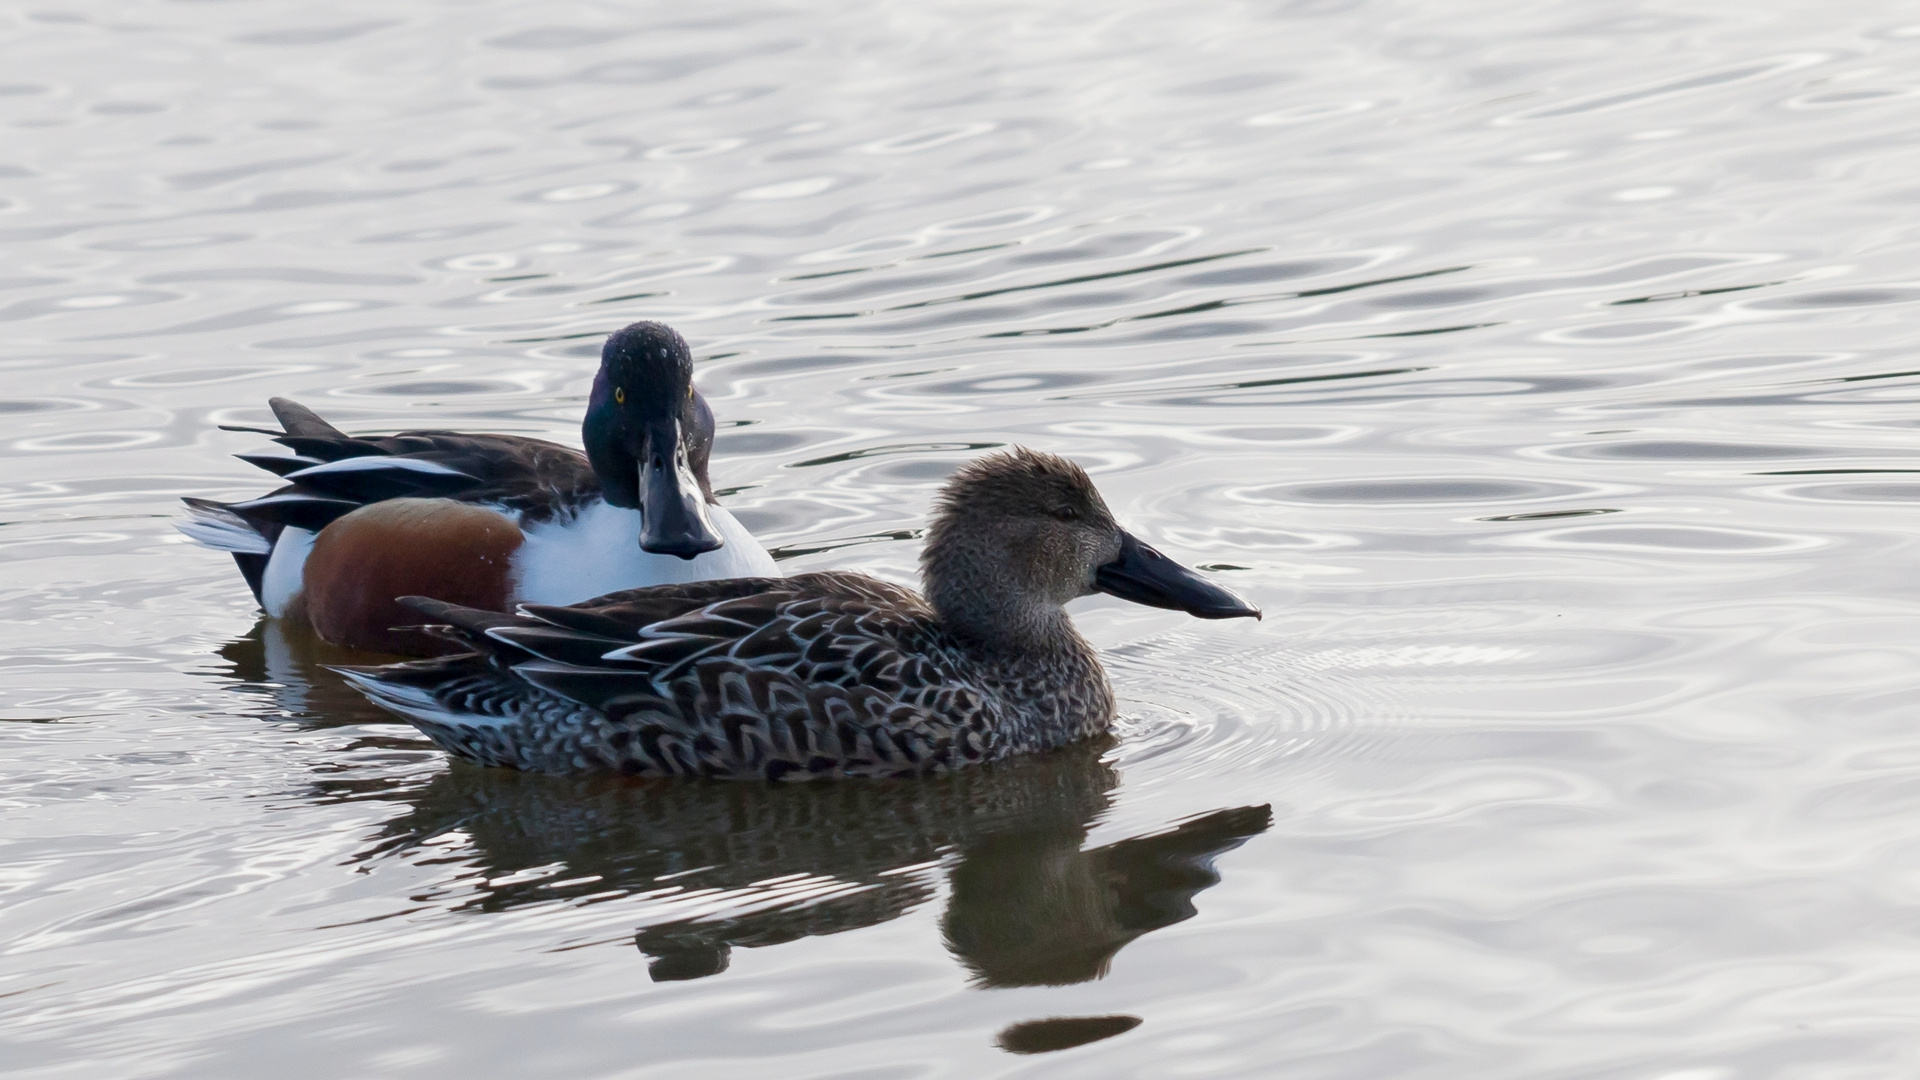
column 278, row 464
column 538, row 479
column 532, row 476
column 474, row 629
column 624, row 613
column 472, row 623
column 820, row 674
column 584, row 635
column 289, row 506
column 330, row 447
column 596, row 688
column 561, row 646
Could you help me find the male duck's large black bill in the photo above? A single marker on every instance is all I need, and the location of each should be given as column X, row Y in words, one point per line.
column 673, row 508
column 1145, row 576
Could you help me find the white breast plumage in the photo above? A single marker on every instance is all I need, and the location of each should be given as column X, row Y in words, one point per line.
column 598, row 551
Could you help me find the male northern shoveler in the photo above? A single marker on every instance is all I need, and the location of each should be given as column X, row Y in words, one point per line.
column 488, row 520
column 825, row 674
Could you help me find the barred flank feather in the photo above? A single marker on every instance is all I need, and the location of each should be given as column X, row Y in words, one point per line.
column 818, row 675
column 830, row 674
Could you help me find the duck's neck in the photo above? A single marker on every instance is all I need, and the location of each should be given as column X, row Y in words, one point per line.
column 1006, row 610
column 984, row 598
column 1036, row 659
column 997, row 623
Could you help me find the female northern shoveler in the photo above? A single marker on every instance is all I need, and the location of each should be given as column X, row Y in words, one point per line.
column 488, row 520
column 827, row 674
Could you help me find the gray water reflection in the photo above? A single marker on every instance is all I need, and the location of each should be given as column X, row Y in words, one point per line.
column 1543, row 370
column 283, row 669
column 1027, row 906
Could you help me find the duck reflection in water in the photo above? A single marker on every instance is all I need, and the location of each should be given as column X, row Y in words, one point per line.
column 283, row 666
column 1028, row 906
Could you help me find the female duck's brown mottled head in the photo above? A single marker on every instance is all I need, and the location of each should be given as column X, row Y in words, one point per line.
column 1015, row 535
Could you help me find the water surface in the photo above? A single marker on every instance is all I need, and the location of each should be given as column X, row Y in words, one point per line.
column 1544, row 371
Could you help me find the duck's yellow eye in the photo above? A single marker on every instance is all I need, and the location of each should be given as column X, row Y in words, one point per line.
column 619, row 395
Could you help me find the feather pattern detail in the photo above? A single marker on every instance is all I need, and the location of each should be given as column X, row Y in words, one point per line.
column 827, row 674
column 831, row 674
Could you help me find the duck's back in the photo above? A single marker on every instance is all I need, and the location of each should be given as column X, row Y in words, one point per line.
column 834, row 674
column 532, row 477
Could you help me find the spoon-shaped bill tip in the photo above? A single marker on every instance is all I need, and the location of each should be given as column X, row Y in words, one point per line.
column 1145, row 576
column 674, row 519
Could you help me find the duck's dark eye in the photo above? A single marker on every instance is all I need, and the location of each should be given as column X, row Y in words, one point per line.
column 1067, row 513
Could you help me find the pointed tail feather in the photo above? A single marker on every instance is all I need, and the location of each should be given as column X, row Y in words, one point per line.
column 214, row 525
column 295, row 419
column 300, row 420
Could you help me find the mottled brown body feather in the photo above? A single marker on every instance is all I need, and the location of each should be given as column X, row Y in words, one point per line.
column 832, row 674
column 829, row 674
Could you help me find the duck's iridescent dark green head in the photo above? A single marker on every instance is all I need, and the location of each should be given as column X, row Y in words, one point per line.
column 649, row 434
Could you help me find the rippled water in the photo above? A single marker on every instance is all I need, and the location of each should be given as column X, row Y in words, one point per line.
column 1543, row 370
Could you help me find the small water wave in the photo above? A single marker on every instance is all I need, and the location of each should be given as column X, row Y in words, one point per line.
column 1540, row 371
column 1192, row 710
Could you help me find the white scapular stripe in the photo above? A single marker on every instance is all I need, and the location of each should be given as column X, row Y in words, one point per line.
column 376, row 464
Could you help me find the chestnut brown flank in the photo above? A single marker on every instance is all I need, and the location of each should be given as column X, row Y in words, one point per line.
column 405, row 547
